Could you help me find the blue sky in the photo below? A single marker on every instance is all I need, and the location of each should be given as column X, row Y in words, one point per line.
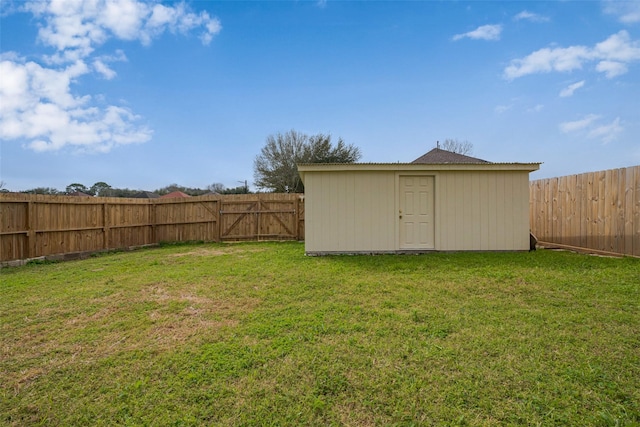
column 146, row 94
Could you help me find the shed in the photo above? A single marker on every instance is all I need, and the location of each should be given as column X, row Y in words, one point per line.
column 416, row 207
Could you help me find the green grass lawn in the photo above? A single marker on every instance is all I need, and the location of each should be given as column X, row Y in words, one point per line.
column 260, row 334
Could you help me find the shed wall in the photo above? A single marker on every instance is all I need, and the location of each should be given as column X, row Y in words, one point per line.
column 357, row 211
column 482, row 210
column 351, row 211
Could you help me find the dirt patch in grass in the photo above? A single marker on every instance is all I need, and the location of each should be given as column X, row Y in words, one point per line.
column 181, row 318
column 231, row 250
column 156, row 319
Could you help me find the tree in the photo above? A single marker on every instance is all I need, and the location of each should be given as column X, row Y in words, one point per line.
column 75, row 187
column 43, row 190
column 276, row 167
column 319, row 150
column 216, row 187
column 242, row 189
column 456, row 146
column 100, row 189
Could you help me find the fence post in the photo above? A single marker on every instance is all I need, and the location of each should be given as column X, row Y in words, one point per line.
column 296, row 216
column 106, row 232
column 31, row 231
column 152, row 220
column 220, row 214
column 257, row 217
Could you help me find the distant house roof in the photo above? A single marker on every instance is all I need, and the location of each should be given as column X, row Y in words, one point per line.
column 145, row 195
column 440, row 156
column 79, row 194
column 174, row 194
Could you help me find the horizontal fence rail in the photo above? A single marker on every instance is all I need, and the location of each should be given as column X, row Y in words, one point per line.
column 33, row 226
column 598, row 211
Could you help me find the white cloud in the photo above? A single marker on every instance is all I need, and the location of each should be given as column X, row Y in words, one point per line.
column 502, row 108
column 590, row 127
column 628, row 12
column 547, row 60
column 618, row 47
column 612, row 68
column 100, row 64
column 530, row 16
column 484, row 32
column 103, row 69
column 124, row 18
column 77, row 27
column 536, row 109
column 608, row 132
column 579, row 125
column 37, row 105
column 612, row 56
column 569, row 90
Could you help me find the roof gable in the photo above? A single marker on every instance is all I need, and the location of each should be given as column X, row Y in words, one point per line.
column 440, row 156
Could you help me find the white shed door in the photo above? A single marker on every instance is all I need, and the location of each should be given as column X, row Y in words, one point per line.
column 416, row 212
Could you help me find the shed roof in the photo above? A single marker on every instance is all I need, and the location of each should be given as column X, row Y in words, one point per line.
column 414, row 167
column 322, row 167
column 439, row 156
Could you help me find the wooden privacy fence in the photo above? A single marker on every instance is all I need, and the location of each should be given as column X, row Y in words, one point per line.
column 599, row 211
column 33, row 226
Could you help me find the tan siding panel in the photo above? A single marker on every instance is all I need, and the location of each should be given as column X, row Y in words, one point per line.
column 484, row 217
column 521, row 216
column 467, row 213
column 350, row 211
column 483, row 211
column 491, row 199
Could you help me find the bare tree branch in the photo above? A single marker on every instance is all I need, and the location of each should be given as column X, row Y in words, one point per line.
column 456, row 146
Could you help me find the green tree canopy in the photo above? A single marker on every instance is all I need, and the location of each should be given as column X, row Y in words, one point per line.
column 44, row 190
column 100, row 189
column 75, row 187
column 276, row 167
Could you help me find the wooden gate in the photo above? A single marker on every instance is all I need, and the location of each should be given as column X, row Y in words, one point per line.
column 261, row 219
